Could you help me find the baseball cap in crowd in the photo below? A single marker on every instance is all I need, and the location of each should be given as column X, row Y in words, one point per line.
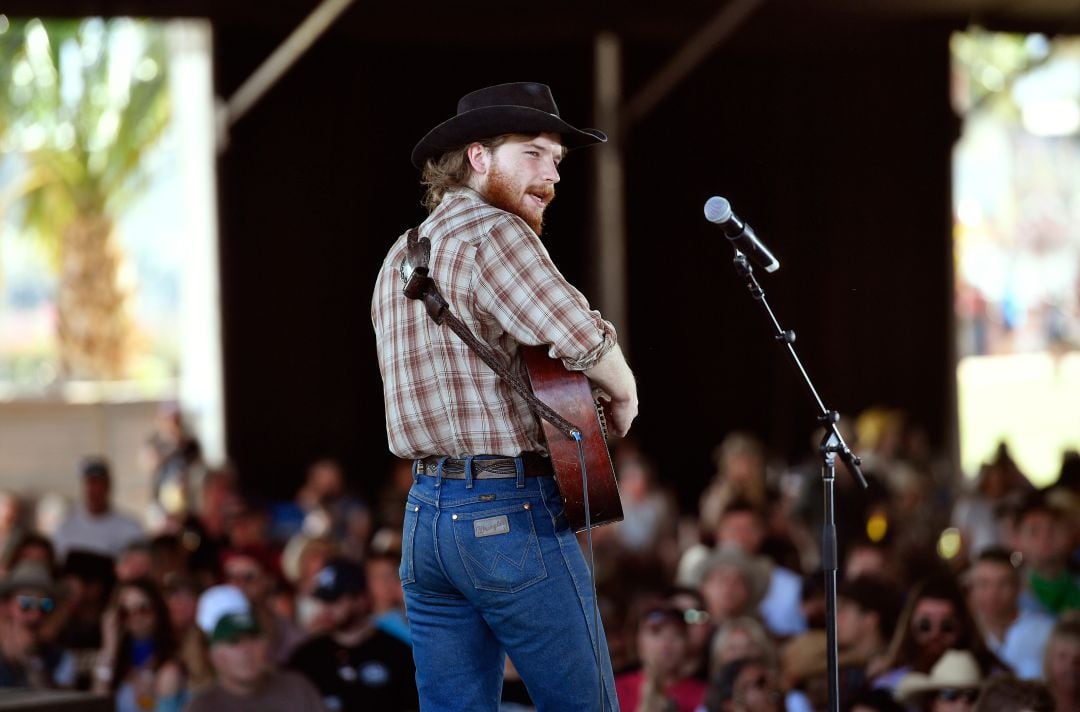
column 224, row 614
column 94, row 466
column 338, row 578
column 32, row 575
column 659, row 615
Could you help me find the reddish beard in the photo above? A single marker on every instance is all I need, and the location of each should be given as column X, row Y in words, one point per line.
column 504, row 194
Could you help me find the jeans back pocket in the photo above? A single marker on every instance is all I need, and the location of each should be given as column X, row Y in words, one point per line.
column 499, row 548
column 407, row 570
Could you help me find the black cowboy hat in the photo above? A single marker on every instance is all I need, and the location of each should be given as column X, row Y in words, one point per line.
column 518, row 107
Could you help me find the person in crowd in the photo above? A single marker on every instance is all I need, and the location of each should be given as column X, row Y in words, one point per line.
column 1069, row 475
column 866, row 614
column 980, row 514
column 740, row 474
column 659, row 684
column 250, row 524
column 11, row 526
column 393, row 493
column 355, row 665
column 812, row 600
column 742, row 637
column 138, row 662
column 951, row 686
column 27, row 596
column 699, row 630
column 86, row 584
column 329, row 509
column 649, row 515
column 96, row 526
column 742, row 525
column 173, row 457
column 134, row 561
column 209, row 528
column 867, row 609
column 745, row 685
column 803, row 668
column 170, row 557
column 181, row 593
column 1043, row 536
column 387, row 596
column 301, row 561
column 935, row 619
column 1061, row 664
column 870, row 558
column 246, row 679
column 732, row 583
column 32, row 547
column 1008, row 694
column 1016, row 636
column 253, row 570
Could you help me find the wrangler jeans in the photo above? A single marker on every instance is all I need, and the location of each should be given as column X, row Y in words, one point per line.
column 489, row 568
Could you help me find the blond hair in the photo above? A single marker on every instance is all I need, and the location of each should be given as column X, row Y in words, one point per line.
column 451, row 170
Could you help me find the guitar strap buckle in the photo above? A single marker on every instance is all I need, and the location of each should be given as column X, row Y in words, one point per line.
column 418, row 284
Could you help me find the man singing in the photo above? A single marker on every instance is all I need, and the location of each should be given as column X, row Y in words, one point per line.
column 489, row 565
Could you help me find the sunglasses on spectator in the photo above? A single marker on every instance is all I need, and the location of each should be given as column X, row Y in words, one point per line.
column 927, row 625
column 29, row 603
column 693, row 616
column 952, row 695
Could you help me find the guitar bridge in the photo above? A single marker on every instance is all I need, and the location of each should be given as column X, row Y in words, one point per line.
column 601, row 414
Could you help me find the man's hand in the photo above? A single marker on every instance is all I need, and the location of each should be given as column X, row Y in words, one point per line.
column 616, row 379
column 619, row 416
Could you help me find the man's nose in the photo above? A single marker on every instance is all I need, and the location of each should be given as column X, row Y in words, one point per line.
column 551, row 172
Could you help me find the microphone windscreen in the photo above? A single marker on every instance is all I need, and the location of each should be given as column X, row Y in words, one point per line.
column 717, row 209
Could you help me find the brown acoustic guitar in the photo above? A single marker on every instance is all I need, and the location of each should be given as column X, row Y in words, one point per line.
column 570, row 394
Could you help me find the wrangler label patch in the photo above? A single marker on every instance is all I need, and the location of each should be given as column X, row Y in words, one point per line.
column 491, row 526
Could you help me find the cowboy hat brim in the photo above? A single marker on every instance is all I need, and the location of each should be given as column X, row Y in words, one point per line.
column 956, row 669
column 491, row 121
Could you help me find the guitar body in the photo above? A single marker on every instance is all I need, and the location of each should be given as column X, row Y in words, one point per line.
column 569, row 393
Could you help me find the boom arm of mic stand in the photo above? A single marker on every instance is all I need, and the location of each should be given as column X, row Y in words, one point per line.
column 832, row 445
column 827, row 417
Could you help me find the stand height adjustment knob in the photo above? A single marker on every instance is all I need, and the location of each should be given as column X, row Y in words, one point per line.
column 788, row 337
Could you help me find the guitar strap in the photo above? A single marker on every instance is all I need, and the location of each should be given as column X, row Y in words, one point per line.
column 418, row 284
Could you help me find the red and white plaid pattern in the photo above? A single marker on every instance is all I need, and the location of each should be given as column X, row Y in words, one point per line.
column 495, row 273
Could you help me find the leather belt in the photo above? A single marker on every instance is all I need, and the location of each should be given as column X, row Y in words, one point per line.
column 486, row 467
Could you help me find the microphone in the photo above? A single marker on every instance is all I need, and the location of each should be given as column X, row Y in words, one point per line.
column 718, row 210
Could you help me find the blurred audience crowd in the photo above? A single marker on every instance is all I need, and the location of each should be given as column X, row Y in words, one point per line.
column 954, row 595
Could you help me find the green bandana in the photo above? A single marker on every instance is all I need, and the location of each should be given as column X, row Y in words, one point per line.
column 1058, row 594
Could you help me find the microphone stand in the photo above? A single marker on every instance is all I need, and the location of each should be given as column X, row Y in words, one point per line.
column 832, row 444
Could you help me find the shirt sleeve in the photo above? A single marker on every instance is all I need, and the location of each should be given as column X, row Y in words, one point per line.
column 516, row 282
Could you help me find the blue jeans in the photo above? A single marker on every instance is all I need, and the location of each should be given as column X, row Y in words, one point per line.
column 490, row 567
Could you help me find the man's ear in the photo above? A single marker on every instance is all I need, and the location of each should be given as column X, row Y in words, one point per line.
column 479, row 157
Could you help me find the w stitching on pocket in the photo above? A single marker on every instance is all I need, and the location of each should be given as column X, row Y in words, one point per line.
column 505, row 562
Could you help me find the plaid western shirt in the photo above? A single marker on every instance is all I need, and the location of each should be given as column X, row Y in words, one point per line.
column 497, row 277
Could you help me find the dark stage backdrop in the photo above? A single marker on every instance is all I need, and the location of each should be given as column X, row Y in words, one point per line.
column 834, row 142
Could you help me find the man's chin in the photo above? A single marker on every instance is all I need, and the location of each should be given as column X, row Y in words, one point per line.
column 536, row 222
column 533, row 218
